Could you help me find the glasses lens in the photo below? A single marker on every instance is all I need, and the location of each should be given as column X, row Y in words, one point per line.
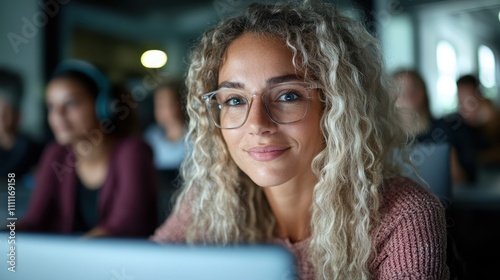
column 284, row 103
column 228, row 109
column 287, row 103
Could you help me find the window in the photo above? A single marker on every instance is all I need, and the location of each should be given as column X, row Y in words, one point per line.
column 486, row 63
column 446, row 58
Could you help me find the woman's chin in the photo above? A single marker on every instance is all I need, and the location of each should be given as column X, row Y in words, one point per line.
column 267, row 181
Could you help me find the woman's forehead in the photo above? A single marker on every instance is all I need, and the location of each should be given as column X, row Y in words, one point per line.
column 255, row 58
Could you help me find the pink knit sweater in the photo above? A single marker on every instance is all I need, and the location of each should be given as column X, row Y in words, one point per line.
column 410, row 243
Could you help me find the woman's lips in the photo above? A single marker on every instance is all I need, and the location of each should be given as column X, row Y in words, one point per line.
column 266, row 153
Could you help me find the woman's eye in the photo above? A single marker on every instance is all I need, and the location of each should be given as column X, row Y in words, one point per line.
column 289, row 96
column 235, row 101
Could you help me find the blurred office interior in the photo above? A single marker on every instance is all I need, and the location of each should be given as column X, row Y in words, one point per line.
column 442, row 39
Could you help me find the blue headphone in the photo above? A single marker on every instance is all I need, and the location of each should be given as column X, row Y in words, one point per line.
column 103, row 98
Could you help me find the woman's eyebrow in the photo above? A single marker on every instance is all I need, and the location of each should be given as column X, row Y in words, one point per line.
column 284, row 79
column 231, row 85
column 269, row 82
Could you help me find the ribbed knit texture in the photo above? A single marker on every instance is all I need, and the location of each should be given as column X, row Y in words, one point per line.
column 410, row 242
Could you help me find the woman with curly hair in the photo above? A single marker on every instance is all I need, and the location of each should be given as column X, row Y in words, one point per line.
column 293, row 132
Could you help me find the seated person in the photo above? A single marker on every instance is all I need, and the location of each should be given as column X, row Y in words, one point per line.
column 96, row 179
column 18, row 152
column 414, row 111
column 481, row 118
column 166, row 137
column 293, row 137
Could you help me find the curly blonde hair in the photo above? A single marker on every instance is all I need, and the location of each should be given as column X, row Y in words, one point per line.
column 359, row 126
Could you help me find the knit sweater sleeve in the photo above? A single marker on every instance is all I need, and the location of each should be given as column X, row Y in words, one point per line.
column 411, row 242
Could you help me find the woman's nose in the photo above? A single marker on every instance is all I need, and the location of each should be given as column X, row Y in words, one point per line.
column 57, row 112
column 258, row 120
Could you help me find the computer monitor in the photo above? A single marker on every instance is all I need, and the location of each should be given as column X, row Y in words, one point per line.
column 53, row 257
column 432, row 162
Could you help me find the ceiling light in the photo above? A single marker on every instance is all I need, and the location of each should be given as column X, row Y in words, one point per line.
column 154, row 59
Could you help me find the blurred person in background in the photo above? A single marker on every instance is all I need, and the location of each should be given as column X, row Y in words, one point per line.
column 167, row 139
column 414, row 110
column 482, row 119
column 97, row 179
column 166, row 136
column 414, row 102
column 19, row 153
column 293, row 135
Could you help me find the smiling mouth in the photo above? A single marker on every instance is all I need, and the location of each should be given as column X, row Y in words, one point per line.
column 266, row 153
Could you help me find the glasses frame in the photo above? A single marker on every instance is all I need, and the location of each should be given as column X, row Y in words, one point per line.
column 208, row 96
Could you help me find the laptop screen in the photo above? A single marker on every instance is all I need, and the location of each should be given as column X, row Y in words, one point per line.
column 64, row 257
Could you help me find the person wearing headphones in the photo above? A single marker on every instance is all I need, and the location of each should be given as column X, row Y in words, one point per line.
column 97, row 179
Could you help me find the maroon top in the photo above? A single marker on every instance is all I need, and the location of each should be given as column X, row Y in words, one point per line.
column 127, row 199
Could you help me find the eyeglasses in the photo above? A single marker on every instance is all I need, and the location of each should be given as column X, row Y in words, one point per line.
column 284, row 103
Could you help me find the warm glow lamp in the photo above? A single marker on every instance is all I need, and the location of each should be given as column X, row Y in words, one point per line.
column 154, row 59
